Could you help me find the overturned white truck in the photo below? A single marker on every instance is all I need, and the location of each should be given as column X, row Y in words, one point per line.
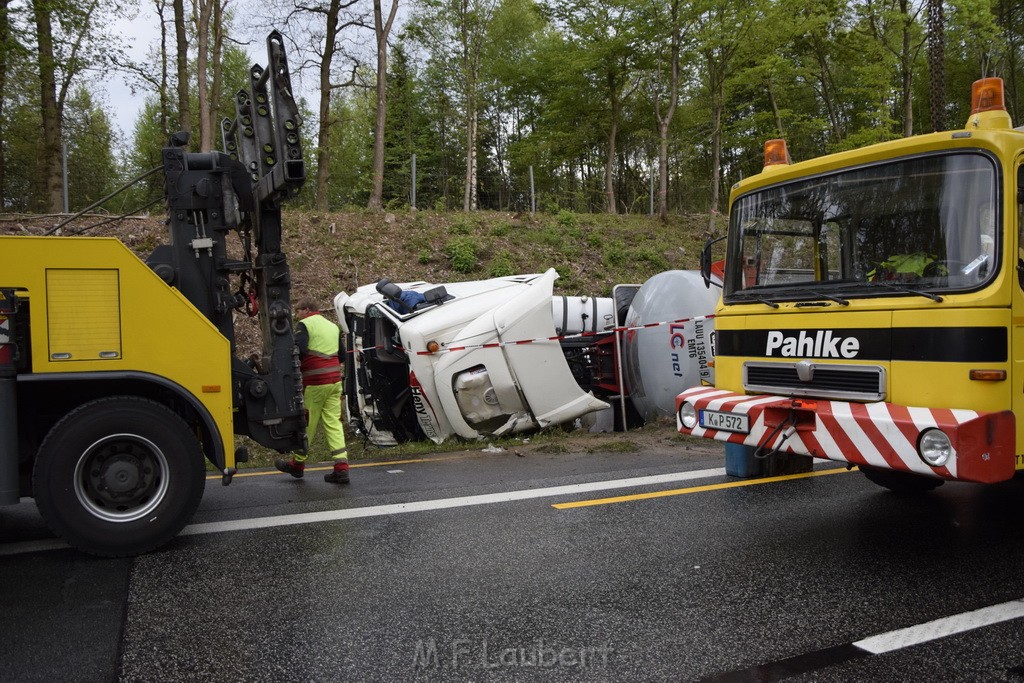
column 504, row 355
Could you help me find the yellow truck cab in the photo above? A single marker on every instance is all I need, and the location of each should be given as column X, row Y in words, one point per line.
column 872, row 310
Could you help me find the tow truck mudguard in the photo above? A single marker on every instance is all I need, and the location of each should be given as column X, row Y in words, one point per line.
column 881, row 435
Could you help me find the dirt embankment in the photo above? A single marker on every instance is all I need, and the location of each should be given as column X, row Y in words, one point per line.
column 335, row 252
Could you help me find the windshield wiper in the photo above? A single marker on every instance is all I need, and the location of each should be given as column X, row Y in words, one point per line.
column 838, row 299
column 903, row 290
column 753, row 297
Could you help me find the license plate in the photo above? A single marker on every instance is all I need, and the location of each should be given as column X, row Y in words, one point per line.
column 726, row 422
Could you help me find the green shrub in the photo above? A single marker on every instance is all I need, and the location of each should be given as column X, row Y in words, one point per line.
column 424, row 256
column 460, row 227
column 651, row 256
column 567, row 219
column 615, row 254
column 501, row 265
column 462, row 251
column 549, row 235
column 500, row 229
column 547, row 204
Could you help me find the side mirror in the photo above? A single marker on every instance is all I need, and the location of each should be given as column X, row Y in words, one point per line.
column 705, row 260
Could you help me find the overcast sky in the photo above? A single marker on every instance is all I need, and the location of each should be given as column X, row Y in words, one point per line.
column 141, row 34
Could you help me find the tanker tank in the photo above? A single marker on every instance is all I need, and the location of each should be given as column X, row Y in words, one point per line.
column 660, row 362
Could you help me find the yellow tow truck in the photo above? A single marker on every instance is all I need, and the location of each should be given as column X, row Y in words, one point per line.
column 872, row 310
column 119, row 378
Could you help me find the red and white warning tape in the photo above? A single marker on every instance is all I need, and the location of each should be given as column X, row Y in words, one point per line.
column 581, row 335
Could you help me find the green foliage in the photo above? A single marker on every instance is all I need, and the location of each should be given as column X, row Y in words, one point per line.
column 567, row 219
column 351, row 148
column 550, row 80
column 651, row 257
column 615, row 254
column 92, row 170
column 501, row 265
column 461, row 226
column 462, row 252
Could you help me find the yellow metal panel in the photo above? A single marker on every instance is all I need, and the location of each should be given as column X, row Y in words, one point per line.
column 83, row 314
column 161, row 332
column 948, row 384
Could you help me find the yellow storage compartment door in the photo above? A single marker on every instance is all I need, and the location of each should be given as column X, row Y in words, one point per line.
column 83, row 311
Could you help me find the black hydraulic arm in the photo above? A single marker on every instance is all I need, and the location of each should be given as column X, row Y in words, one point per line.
column 211, row 194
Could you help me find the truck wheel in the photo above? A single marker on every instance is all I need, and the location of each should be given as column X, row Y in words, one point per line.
column 119, row 476
column 901, row 482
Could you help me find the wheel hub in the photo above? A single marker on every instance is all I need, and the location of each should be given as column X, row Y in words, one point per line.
column 121, row 477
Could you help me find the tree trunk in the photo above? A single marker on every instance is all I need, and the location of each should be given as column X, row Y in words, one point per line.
column 717, row 104
column 663, row 171
column 184, row 115
column 5, row 37
column 161, row 7
column 217, row 82
column 469, row 187
column 906, row 65
column 323, row 135
column 613, row 133
column 469, row 73
column 202, row 10
column 776, row 116
column 382, row 29
column 665, row 121
column 609, row 169
column 51, row 114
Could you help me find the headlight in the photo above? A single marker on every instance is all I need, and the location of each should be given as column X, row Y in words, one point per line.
column 687, row 415
column 934, row 447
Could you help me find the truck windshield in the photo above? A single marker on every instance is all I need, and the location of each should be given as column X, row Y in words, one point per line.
column 916, row 225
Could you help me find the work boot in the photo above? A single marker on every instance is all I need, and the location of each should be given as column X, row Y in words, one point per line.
column 296, row 469
column 339, row 475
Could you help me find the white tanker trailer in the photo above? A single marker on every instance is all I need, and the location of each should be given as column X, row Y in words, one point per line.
column 504, row 355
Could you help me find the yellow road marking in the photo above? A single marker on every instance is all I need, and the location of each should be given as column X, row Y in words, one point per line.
column 329, row 466
column 694, row 489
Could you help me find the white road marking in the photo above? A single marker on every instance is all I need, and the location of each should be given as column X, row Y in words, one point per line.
column 940, row 628
column 394, row 471
column 398, row 508
column 444, row 503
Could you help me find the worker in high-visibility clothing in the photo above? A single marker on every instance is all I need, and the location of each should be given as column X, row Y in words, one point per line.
column 318, row 340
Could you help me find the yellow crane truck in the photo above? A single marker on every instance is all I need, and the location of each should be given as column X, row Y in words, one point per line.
column 872, row 310
column 119, row 378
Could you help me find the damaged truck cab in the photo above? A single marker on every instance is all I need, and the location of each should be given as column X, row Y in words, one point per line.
column 456, row 364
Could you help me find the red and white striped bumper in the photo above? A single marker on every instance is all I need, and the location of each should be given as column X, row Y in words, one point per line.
column 882, row 435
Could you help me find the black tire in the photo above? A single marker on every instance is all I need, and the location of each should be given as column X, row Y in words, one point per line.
column 901, row 482
column 119, row 476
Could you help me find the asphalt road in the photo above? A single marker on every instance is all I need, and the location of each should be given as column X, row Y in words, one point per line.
column 476, row 567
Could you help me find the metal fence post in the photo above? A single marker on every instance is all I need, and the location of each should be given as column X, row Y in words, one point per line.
column 412, row 193
column 652, row 190
column 533, row 198
column 64, row 172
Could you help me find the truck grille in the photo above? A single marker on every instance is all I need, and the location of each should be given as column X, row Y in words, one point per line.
column 850, row 382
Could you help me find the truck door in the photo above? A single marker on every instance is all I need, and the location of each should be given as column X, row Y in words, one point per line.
column 1015, row 246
